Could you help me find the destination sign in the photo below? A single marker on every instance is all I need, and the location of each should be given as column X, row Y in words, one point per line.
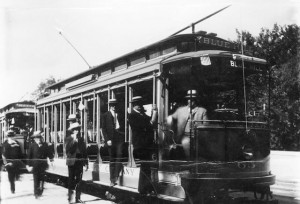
column 24, row 105
column 247, row 65
column 216, row 42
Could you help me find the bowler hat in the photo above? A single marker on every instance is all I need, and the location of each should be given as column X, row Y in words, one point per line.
column 191, row 94
column 10, row 133
column 74, row 126
column 112, row 101
column 72, row 117
column 37, row 134
column 136, row 99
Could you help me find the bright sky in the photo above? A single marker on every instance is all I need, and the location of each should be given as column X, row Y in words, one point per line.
column 32, row 50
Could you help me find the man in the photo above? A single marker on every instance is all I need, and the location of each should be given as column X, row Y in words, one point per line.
column 76, row 159
column 113, row 132
column 143, row 140
column 142, row 129
column 38, row 154
column 12, row 155
column 182, row 120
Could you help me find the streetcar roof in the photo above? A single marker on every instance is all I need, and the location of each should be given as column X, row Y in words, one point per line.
column 212, row 53
column 228, row 50
column 165, row 42
column 22, row 110
column 18, row 106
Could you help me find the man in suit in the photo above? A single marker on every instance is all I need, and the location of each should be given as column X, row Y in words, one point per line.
column 76, row 159
column 142, row 127
column 12, row 155
column 113, row 132
column 38, row 154
column 181, row 120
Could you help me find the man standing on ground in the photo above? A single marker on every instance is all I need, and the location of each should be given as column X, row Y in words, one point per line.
column 38, row 155
column 76, row 159
column 12, row 155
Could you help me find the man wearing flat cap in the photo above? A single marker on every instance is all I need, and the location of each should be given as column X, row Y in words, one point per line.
column 181, row 120
column 38, row 154
column 76, row 159
column 12, row 155
column 112, row 125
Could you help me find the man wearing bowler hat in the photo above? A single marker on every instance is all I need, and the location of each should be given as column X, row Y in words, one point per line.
column 143, row 139
column 142, row 128
column 38, row 154
column 182, row 119
column 113, row 132
column 76, row 159
column 11, row 155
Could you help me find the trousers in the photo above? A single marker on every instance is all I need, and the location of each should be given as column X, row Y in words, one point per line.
column 75, row 177
column 38, row 183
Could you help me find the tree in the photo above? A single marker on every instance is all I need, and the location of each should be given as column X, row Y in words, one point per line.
column 280, row 47
column 40, row 91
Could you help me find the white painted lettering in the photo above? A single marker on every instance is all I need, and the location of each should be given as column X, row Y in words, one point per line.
column 220, row 43
column 213, row 42
column 233, row 63
column 206, row 40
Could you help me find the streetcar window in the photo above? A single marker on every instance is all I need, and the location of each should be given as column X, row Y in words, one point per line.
column 220, row 87
column 91, row 120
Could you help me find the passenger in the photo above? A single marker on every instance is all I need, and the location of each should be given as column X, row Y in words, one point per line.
column 76, row 159
column 142, row 129
column 143, row 139
column 181, row 120
column 113, row 132
column 38, row 154
column 12, row 155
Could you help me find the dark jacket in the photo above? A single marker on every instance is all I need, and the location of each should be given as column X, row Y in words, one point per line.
column 108, row 128
column 76, row 151
column 13, row 154
column 37, row 156
column 142, row 130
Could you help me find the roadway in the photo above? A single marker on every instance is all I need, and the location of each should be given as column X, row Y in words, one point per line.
column 285, row 165
column 53, row 194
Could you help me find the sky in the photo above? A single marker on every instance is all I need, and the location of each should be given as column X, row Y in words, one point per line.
column 32, row 50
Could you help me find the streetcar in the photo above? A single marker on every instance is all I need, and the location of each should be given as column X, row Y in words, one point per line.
column 18, row 117
column 230, row 151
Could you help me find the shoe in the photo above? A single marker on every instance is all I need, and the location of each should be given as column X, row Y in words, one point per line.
column 12, row 190
column 114, row 181
column 38, row 197
column 70, row 196
column 78, row 201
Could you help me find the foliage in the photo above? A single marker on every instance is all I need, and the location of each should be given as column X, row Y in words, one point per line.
column 41, row 89
column 279, row 47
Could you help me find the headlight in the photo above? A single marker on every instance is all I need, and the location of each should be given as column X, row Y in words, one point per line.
column 247, row 152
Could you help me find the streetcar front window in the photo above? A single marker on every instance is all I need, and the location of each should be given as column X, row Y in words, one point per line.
column 223, row 88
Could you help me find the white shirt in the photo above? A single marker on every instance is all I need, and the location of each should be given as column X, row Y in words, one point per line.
column 115, row 115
